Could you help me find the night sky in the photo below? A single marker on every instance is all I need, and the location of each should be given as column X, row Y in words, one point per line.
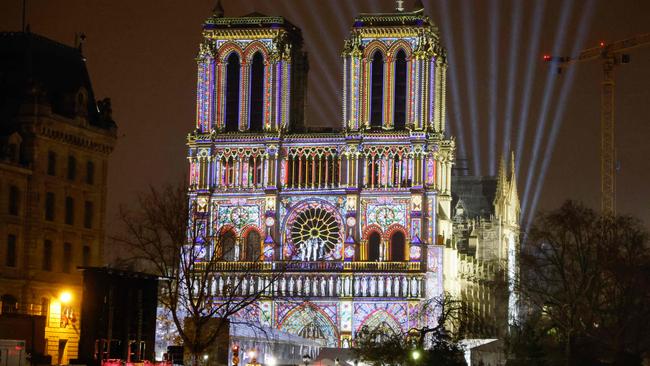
column 141, row 54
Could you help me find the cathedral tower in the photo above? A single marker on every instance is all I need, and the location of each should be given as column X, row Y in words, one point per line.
column 394, row 72
column 251, row 74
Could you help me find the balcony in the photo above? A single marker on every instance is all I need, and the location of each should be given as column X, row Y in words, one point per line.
column 298, row 266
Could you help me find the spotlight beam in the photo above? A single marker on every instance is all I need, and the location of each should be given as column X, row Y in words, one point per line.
column 531, row 63
column 567, row 84
column 345, row 17
column 548, row 94
column 493, row 90
column 470, row 75
column 331, row 85
column 456, row 111
column 515, row 27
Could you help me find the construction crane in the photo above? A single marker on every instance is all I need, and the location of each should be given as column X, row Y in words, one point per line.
column 610, row 55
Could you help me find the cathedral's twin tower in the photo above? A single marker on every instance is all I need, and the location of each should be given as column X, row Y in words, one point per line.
column 252, row 75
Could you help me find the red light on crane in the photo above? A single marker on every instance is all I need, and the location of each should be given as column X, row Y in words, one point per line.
column 602, row 44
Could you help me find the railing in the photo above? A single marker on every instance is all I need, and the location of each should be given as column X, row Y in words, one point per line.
column 22, row 308
column 342, row 284
column 381, row 266
column 223, row 266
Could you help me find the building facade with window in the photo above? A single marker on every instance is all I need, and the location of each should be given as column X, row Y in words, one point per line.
column 359, row 219
column 55, row 139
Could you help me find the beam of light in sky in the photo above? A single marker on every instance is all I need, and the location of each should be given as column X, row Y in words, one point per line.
column 551, row 78
column 455, row 110
column 587, row 13
column 351, row 7
column 493, row 91
column 515, row 31
column 447, row 35
column 470, row 75
column 532, row 62
column 331, row 46
column 320, row 112
column 341, row 13
column 320, row 69
column 331, row 49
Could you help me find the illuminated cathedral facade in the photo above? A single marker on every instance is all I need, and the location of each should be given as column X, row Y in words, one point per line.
column 363, row 213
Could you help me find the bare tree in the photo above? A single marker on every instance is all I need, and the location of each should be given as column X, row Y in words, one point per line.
column 169, row 236
column 433, row 343
column 584, row 277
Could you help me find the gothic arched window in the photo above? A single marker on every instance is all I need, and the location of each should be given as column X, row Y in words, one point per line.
column 397, row 244
column 399, row 115
column 228, row 171
column 232, row 92
column 253, row 242
column 228, row 244
column 376, row 89
column 258, row 174
column 374, row 241
column 257, row 93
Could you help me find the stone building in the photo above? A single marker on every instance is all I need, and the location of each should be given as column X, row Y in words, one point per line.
column 55, row 139
column 480, row 258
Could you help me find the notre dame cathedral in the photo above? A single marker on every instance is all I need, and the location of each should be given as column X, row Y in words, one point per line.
column 371, row 213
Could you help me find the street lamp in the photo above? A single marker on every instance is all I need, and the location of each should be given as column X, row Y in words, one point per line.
column 67, row 314
column 306, row 359
column 65, row 297
column 415, row 355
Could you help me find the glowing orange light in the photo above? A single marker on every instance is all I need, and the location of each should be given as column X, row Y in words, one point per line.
column 65, row 297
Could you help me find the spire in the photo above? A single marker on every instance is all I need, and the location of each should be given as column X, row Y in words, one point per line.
column 217, row 11
column 501, row 176
column 513, row 179
column 400, row 5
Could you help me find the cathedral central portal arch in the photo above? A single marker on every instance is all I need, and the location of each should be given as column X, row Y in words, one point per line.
column 310, row 322
column 381, row 320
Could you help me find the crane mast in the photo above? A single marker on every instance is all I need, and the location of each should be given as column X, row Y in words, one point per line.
column 610, row 55
column 607, row 148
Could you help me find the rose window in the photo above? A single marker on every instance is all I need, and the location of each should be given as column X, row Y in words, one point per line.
column 239, row 216
column 385, row 216
column 315, row 233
